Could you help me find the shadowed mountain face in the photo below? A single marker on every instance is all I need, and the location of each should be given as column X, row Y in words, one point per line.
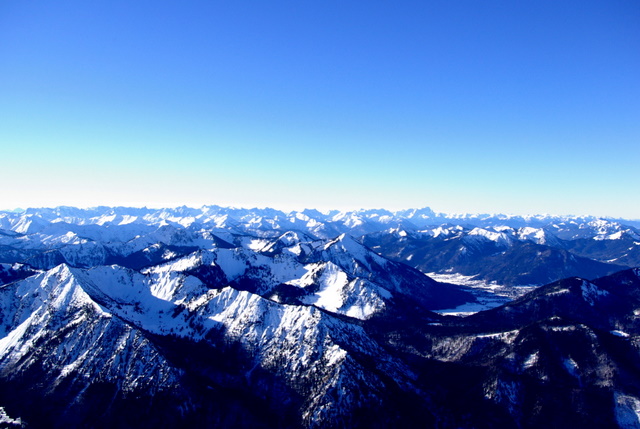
column 223, row 318
column 506, row 257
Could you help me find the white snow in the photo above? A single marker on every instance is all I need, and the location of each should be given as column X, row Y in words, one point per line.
column 488, row 294
column 571, row 366
column 559, row 292
column 536, row 235
column 335, row 354
column 531, row 361
column 615, row 236
column 498, row 237
column 14, row 339
column 127, row 219
column 507, row 336
column 331, row 294
column 620, row 334
column 357, row 298
column 591, row 292
column 444, row 231
column 627, row 411
column 258, row 244
column 562, row 328
column 4, row 418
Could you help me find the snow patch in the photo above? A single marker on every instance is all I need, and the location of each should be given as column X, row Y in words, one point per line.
column 571, row 366
column 506, row 337
column 497, row 237
column 591, row 292
column 488, row 294
column 627, row 411
column 5, row 419
column 258, row 244
column 559, row 292
column 330, row 296
column 530, row 361
column 620, row 334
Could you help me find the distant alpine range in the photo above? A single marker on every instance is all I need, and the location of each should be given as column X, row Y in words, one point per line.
column 259, row 318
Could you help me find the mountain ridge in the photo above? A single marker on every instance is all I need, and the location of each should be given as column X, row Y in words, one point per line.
column 235, row 318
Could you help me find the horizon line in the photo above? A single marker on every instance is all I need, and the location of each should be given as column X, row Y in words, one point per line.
column 323, row 211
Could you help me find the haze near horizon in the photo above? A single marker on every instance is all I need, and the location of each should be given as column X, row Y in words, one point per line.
column 462, row 107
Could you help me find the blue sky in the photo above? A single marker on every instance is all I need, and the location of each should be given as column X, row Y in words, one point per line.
column 464, row 106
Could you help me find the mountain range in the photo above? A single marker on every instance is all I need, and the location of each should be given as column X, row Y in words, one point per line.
column 225, row 317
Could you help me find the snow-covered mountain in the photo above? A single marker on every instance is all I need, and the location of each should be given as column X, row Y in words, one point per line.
column 122, row 232
column 72, row 329
column 320, row 224
column 502, row 255
column 258, row 318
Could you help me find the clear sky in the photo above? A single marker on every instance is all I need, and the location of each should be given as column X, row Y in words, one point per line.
column 464, row 106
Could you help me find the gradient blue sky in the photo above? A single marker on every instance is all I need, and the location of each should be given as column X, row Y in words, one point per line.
column 464, row 106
